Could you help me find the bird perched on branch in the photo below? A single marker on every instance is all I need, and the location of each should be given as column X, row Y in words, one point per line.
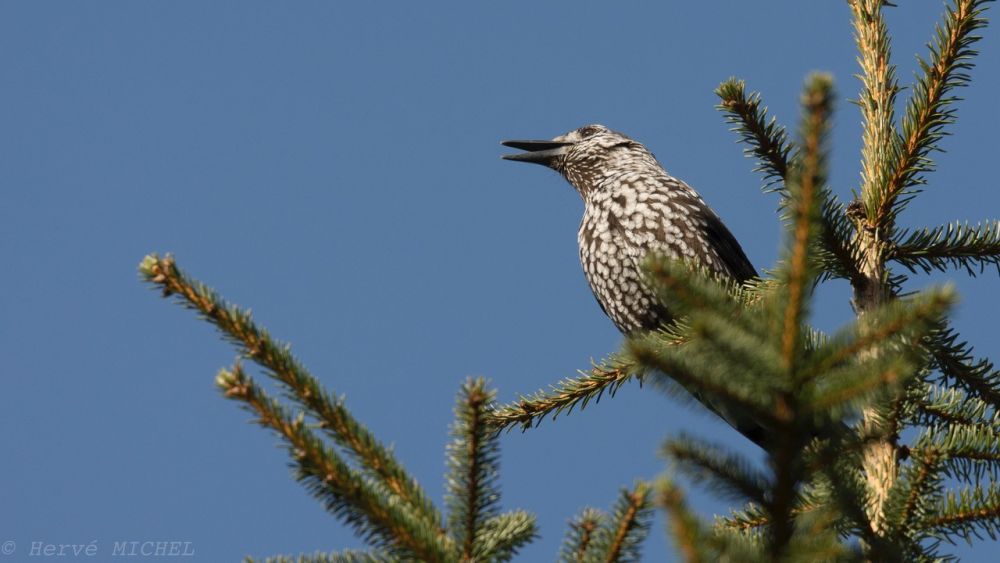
column 633, row 207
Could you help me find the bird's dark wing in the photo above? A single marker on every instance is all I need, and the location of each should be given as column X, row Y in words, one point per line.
column 727, row 248
column 708, row 236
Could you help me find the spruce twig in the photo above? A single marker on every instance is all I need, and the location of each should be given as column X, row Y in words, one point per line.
column 768, row 143
column 254, row 342
column 767, row 140
column 729, row 473
column 365, row 505
column 473, row 492
column 349, row 556
column 930, row 108
column 685, row 529
column 880, row 150
column 879, row 88
column 530, row 411
column 969, row 513
column 954, row 245
column 620, row 538
column 502, row 536
column 956, row 363
column 582, row 529
column 379, row 500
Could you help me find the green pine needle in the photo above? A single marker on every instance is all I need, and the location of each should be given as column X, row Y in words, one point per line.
column 728, row 473
column 237, row 326
column 955, row 361
column 368, row 506
column 766, row 140
column 473, row 495
column 620, row 537
column 501, row 537
column 955, row 245
column 970, row 513
column 529, row 411
column 931, row 106
column 348, row 556
column 576, row 547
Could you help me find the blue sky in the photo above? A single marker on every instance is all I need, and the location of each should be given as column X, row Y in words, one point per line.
column 336, row 167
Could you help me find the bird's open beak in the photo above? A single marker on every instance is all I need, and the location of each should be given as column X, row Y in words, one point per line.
column 539, row 152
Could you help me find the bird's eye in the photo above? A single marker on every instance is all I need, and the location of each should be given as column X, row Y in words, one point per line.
column 588, row 131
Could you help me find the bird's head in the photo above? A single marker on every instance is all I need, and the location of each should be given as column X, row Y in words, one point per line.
column 584, row 156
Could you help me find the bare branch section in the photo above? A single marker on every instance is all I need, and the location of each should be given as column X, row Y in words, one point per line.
column 238, row 327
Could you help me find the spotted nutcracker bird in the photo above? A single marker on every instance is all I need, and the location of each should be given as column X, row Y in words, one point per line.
column 633, row 207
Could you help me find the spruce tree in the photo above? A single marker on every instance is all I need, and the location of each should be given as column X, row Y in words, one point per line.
column 839, row 481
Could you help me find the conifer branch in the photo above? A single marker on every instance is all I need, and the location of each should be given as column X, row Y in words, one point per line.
column 844, row 389
column 699, row 378
column 768, row 142
column 930, row 109
column 721, row 337
column 928, row 414
column 836, row 254
column 729, row 473
column 849, row 494
column 620, row 539
column 685, row 529
column 529, row 411
column 369, row 507
column 698, row 543
column 473, row 493
column 753, row 517
column 580, row 535
column 237, row 326
column 692, row 289
column 348, row 556
column 877, row 102
column 900, row 327
column 502, row 536
column 936, row 406
column 913, row 492
column 805, row 200
column 880, row 149
column 748, row 519
column 969, row 452
column 968, row 513
column 908, row 321
column 834, row 385
column 955, row 360
column 816, row 539
column 954, row 245
column 608, row 377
